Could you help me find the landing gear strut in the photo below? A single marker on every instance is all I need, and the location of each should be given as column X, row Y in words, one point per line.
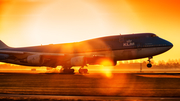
column 149, row 65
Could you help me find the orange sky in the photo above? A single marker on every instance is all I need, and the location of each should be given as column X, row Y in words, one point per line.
column 35, row 22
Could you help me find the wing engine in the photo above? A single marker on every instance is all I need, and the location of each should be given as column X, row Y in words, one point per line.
column 105, row 61
column 78, row 61
column 82, row 61
column 34, row 59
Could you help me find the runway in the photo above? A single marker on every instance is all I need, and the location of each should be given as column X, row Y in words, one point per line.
column 10, row 97
column 95, row 86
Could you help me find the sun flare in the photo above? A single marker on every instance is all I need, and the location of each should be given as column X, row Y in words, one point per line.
column 107, row 70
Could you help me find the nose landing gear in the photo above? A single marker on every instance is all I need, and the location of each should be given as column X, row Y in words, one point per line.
column 149, row 65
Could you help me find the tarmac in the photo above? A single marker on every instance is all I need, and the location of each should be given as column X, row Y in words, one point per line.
column 94, row 86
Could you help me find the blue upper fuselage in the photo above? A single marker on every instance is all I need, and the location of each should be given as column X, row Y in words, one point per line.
column 144, row 40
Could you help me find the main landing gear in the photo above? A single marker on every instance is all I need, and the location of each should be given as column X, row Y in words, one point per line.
column 68, row 70
column 149, row 65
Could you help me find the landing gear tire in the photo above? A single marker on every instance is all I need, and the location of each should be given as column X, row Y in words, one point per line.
column 149, row 65
column 83, row 71
column 67, row 71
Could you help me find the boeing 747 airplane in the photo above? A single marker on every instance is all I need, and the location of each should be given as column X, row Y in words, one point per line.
column 89, row 52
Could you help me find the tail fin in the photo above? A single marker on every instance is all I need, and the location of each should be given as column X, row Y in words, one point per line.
column 3, row 45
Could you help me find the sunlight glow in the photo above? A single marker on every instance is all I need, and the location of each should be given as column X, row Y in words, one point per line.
column 107, row 70
column 106, row 67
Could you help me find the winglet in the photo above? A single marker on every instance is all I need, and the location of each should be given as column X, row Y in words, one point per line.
column 3, row 45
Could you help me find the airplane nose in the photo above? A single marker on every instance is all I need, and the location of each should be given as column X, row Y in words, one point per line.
column 169, row 44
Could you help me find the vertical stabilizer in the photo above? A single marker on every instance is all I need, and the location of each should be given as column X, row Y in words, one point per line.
column 3, row 45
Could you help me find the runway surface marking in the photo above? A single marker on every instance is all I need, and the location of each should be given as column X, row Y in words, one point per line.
column 161, row 76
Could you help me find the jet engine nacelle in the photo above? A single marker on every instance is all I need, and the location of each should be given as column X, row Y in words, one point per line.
column 3, row 56
column 34, row 59
column 78, row 61
column 101, row 61
column 81, row 61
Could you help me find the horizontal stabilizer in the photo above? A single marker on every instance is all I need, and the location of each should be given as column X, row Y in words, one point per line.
column 3, row 45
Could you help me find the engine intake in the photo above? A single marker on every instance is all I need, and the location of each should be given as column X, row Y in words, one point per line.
column 81, row 61
column 78, row 61
column 34, row 59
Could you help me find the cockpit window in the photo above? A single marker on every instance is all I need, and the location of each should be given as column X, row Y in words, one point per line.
column 154, row 35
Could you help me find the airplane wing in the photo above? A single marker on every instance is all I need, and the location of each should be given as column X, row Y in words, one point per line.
column 31, row 58
column 21, row 53
column 11, row 52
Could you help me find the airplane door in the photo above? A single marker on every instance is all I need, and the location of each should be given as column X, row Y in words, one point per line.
column 121, row 40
